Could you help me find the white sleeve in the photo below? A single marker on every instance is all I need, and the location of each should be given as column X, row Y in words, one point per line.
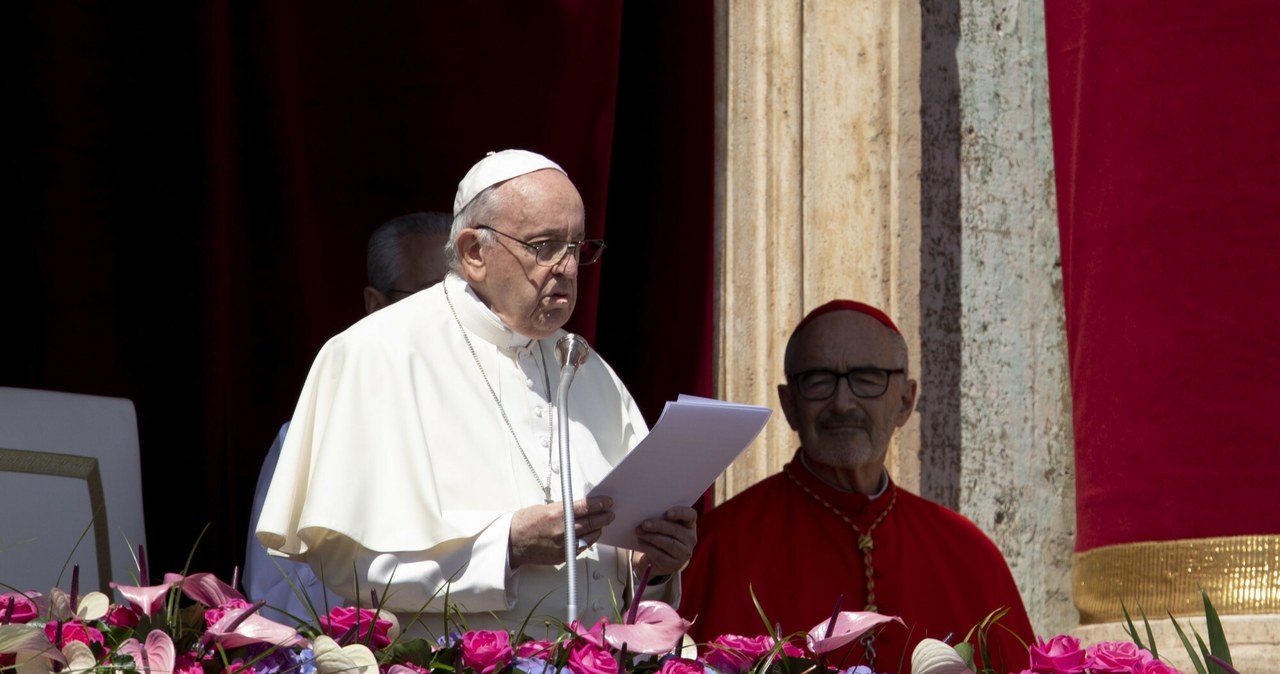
column 473, row 572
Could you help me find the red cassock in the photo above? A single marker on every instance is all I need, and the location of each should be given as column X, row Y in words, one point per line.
column 932, row 567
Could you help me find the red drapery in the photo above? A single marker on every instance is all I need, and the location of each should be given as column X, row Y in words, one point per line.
column 197, row 183
column 1167, row 158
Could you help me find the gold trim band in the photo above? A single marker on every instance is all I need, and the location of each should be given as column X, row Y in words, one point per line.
column 1241, row 574
column 77, row 467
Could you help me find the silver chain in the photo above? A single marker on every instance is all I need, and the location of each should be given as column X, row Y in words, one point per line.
column 546, row 488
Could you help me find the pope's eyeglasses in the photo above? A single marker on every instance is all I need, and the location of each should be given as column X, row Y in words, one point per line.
column 551, row 253
column 864, row 382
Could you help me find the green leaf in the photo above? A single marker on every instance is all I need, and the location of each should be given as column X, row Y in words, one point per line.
column 1186, row 643
column 1130, row 628
column 1213, row 625
column 1204, row 650
column 1150, row 637
column 769, row 629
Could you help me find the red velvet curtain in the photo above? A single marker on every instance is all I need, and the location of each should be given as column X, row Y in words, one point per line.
column 1167, row 157
column 196, row 183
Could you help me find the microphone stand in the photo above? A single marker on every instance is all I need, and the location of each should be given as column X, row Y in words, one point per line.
column 572, row 352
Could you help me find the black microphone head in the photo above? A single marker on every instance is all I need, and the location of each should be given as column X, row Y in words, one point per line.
column 572, row 351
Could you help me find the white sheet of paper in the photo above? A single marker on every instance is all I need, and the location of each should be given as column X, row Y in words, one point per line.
column 693, row 441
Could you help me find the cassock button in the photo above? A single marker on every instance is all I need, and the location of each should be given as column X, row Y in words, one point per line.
column 595, row 575
column 528, row 382
column 596, row 606
column 537, row 412
column 546, row 442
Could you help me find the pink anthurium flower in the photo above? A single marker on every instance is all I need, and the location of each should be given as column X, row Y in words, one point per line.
column 595, row 635
column 244, row 627
column 657, row 628
column 155, row 657
column 147, row 599
column 206, row 588
column 844, row 628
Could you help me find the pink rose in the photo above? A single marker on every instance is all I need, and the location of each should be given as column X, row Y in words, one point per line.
column 23, row 611
column 541, row 650
column 486, row 651
column 1115, row 657
column 588, row 658
column 681, row 666
column 731, row 654
column 342, row 618
column 1061, row 655
column 72, row 631
column 791, row 650
column 1155, row 667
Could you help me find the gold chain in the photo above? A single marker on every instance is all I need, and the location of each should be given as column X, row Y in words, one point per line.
column 865, row 543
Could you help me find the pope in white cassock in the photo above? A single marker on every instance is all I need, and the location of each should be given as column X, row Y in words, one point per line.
column 421, row 459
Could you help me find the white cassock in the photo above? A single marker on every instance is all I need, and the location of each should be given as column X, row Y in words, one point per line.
column 400, row 475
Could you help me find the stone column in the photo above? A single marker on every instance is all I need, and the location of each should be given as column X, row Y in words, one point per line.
column 866, row 150
column 818, row 170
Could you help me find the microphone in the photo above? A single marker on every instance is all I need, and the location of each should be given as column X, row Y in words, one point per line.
column 571, row 352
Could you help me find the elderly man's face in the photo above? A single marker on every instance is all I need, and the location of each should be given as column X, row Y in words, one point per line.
column 844, row 437
column 531, row 299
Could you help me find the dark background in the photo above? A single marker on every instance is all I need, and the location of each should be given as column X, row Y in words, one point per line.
column 191, row 186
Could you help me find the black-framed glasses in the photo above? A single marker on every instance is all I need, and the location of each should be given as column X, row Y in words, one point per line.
column 550, row 253
column 864, row 382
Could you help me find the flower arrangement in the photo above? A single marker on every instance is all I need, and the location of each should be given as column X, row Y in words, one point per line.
column 198, row 624
column 1064, row 654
